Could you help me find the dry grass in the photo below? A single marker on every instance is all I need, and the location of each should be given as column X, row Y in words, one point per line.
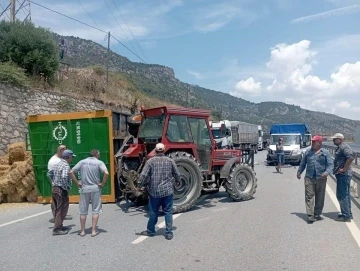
column 90, row 83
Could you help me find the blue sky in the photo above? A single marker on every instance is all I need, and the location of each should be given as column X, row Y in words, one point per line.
column 296, row 51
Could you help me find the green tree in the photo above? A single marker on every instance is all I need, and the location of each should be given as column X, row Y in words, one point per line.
column 32, row 48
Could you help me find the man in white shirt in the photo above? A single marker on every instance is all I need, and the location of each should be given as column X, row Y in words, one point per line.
column 52, row 162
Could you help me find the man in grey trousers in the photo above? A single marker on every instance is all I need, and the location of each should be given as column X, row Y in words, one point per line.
column 319, row 164
column 91, row 185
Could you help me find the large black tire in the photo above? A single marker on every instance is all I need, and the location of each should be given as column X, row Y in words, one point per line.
column 242, row 182
column 188, row 189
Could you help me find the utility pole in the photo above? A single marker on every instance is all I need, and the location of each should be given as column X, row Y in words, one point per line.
column 107, row 63
column 12, row 10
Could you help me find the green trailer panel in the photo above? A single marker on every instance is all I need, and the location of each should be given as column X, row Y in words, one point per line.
column 80, row 132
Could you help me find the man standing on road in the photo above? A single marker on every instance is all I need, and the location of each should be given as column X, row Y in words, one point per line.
column 319, row 164
column 159, row 176
column 90, row 169
column 52, row 162
column 344, row 156
column 280, row 155
column 61, row 183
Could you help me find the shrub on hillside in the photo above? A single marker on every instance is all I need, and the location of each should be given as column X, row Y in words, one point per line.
column 10, row 73
column 31, row 48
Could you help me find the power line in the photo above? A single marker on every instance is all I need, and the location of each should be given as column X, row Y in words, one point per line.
column 119, row 25
column 68, row 17
column 106, row 32
column 4, row 11
column 87, row 13
column 129, row 49
column 129, row 29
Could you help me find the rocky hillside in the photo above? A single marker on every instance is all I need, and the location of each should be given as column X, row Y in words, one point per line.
column 160, row 82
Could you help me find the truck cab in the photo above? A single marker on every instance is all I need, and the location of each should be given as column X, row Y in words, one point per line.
column 221, row 132
column 296, row 140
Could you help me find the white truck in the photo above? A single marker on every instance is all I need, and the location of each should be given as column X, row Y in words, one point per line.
column 296, row 140
column 245, row 136
column 221, row 132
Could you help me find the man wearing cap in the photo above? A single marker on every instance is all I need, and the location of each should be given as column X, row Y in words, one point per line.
column 159, row 176
column 52, row 162
column 61, row 183
column 319, row 164
column 344, row 156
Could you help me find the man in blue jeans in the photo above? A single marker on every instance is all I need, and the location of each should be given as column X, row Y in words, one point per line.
column 344, row 156
column 159, row 176
column 280, row 155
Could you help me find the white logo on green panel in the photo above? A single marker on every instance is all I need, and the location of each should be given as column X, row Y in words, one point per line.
column 60, row 133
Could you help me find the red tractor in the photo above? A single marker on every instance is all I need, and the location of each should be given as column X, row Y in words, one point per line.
column 188, row 140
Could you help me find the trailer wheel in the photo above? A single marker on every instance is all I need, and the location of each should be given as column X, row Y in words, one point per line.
column 188, row 189
column 242, row 183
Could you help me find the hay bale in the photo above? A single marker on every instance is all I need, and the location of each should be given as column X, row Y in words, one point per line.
column 17, row 179
column 4, row 160
column 15, row 198
column 32, row 197
column 16, row 152
column 28, row 182
column 4, row 169
column 15, row 175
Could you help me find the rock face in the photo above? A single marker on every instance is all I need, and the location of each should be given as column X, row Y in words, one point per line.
column 17, row 103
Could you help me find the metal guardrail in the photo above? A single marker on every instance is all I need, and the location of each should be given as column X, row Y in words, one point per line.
column 355, row 175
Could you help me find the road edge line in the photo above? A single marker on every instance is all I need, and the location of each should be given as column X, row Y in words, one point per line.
column 160, row 225
column 354, row 230
column 24, row 218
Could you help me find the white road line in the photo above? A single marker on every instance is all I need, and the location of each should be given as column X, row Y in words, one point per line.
column 351, row 225
column 161, row 225
column 22, row 219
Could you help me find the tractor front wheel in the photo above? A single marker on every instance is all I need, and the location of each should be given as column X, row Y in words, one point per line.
column 242, row 183
column 188, row 189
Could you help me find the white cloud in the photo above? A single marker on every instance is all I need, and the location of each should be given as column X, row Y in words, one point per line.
column 344, row 104
column 195, row 74
column 329, row 13
column 295, row 83
column 248, row 86
column 214, row 17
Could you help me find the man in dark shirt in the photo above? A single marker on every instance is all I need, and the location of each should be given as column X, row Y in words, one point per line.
column 158, row 176
column 280, row 155
column 319, row 164
column 344, row 156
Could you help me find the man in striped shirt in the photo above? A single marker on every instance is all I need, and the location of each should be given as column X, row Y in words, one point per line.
column 61, row 183
column 158, row 176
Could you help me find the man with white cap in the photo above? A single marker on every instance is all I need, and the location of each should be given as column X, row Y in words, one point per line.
column 344, row 156
column 159, row 176
column 319, row 164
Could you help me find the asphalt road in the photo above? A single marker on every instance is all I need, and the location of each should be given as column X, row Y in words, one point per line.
column 268, row 232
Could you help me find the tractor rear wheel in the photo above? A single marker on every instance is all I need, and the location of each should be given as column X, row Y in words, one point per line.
column 242, row 183
column 188, row 189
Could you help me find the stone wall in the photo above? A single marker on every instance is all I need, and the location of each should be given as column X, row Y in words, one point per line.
column 17, row 103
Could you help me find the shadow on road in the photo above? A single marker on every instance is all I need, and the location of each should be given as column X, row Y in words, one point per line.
column 303, row 216
column 331, row 215
column 88, row 231
column 208, row 200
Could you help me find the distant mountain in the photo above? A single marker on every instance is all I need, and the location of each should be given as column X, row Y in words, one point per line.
column 160, row 82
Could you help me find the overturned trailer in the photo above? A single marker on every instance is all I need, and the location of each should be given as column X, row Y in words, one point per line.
column 80, row 131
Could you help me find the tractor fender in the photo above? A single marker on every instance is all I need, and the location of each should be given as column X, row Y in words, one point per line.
column 225, row 170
